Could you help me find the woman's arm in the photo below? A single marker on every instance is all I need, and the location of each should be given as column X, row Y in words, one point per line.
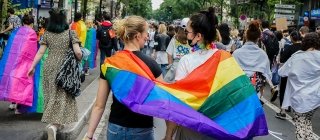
column 98, row 108
column 77, row 51
column 37, row 58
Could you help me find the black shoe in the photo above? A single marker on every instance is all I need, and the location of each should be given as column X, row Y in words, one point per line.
column 288, row 110
column 274, row 95
column 281, row 116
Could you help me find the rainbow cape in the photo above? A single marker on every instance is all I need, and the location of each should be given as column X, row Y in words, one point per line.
column 91, row 46
column 81, row 30
column 38, row 99
column 15, row 85
column 216, row 99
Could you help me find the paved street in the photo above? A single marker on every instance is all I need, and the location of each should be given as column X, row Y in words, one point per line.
column 28, row 126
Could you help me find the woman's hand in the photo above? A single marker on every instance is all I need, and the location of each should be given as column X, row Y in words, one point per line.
column 31, row 72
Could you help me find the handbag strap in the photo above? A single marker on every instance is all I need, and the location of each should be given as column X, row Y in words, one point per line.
column 70, row 40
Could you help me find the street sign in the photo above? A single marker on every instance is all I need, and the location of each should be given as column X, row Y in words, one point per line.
column 284, row 11
column 243, row 17
column 285, row 6
column 242, row 1
column 281, row 24
column 289, row 17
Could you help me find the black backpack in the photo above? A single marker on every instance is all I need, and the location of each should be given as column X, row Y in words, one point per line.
column 272, row 45
column 105, row 39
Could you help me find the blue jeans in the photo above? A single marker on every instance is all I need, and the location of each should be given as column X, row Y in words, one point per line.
column 117, row 132
column 163, row 69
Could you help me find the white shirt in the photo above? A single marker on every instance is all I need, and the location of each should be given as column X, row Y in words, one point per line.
column 303, row 85
column 151, row 38
column 177, row 50
column 191, row 61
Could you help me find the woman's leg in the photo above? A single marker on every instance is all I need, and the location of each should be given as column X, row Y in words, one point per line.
column 303, row 125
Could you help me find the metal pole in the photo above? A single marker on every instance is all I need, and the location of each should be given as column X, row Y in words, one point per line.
column 111, row 9
column 75, row 6
column 100, row 13
column 221, row 9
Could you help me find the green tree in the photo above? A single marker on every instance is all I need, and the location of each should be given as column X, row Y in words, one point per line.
column 137, row 7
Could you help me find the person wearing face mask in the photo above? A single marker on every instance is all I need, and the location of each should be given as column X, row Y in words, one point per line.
column 209, row 59
column 124, row 123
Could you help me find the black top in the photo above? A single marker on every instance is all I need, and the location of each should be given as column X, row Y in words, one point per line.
column 288, row 51
column 123, row 116
column 163, row 41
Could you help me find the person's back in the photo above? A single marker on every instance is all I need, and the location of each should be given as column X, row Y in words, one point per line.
column 80, row 27
column 60, row 107
column 290, row 49
column 270, row 42
column 162, row 41
column 107, row 39
column 15, row 21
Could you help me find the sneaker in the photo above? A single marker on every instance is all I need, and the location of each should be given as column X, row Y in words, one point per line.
column 17, row 112
column 52, row 132
column 12, row 106
column 274, row 94
column 87, row 73
column 281, row 116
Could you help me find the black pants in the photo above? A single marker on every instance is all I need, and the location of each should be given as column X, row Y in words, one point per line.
column 104, row 53
column 283, row 84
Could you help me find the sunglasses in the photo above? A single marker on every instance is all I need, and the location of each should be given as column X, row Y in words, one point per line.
column 187, row 32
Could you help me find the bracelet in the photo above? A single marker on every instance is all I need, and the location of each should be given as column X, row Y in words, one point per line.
column 90, row 138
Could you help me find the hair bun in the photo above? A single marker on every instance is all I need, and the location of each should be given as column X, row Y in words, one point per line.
column 211, row 10
column 254, row 26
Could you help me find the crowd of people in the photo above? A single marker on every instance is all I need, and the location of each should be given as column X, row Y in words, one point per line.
column 287, row 60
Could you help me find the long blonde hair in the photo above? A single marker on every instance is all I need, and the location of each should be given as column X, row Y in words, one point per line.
column 126, row 29
column 162, row 29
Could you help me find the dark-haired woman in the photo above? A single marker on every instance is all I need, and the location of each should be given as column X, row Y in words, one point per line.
column 226, row 41
column 302, row 91
column 201, row 36
column 285, row 54
column 253, row 60
column 59, row 107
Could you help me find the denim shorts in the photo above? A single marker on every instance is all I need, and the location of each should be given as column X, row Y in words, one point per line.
column 117, row 132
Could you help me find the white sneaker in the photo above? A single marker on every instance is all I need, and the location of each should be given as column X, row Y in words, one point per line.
column 12, row 106
column 52, row 132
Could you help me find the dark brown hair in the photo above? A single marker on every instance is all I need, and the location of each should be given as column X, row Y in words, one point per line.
column 311, row 40
column 205, row 23
column 253, row 31
column 181, row 35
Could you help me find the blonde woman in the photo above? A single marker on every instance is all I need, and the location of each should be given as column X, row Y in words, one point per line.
column 123, row 123
column 162, row 41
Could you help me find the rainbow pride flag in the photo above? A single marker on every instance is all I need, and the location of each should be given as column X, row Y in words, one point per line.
column 91, row 46
column 38, row 99
column 216, row 99
column 15, row 85
column 81, row 29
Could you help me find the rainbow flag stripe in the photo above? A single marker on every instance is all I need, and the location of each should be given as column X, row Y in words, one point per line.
column 216, row 99
column 38, row 99
column 91, row 46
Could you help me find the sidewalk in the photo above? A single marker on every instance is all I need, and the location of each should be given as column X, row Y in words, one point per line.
column 30, row 127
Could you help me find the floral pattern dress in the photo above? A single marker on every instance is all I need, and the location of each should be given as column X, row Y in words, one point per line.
column 59, row 107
